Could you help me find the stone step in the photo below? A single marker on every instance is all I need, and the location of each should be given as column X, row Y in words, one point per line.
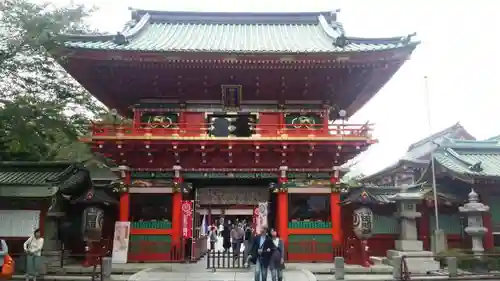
column 378, row 260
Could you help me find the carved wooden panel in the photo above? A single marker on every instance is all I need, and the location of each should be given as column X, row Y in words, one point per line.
column 232, row 195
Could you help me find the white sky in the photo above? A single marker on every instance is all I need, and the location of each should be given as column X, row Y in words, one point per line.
column 459, row 54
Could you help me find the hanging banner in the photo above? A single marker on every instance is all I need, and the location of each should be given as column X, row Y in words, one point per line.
column 262, row 216
column 363, row 223
column 255, row 219
column 120, row 242
column 187, row 218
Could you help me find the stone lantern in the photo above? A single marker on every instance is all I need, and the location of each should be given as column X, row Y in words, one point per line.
column 408, row 245
column 474, row 211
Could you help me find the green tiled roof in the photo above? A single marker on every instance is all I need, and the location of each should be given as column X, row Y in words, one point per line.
column 155, row 31
column 41, row 179
column 31, row 173
column 470, row 158
column 371, row 195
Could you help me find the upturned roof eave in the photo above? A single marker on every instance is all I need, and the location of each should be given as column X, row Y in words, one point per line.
column 392, row 169
column 334, row 30
column 407, row 48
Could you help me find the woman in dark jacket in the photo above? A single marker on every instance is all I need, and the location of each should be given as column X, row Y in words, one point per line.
column 277, row 263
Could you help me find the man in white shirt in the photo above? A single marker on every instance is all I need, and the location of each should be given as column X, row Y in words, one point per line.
column 33, row 248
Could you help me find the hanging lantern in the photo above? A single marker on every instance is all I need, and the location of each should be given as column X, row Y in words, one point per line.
column 363, row 223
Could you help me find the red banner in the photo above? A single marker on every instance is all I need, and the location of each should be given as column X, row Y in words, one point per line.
column 255, row 218
column 187, row 218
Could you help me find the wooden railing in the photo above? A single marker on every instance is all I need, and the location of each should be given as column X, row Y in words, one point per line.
column 202, row 130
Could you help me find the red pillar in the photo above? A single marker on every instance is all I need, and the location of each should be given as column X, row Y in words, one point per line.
column 125, row 200
column 326, row 123
column 336, row 217
column 176, row 216
column 488, row 238
column 424, row 232
column 137, row 118
column 281, row 125
column 282, row 216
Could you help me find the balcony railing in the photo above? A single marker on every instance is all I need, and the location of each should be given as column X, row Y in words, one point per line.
column 203, row 130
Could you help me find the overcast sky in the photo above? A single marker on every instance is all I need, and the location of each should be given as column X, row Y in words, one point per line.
column 458, row 54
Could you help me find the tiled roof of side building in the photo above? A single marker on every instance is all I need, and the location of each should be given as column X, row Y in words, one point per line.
column 154, row 31
column 68, row 177
column 417, row 152
column 31, row 173
column 470, row 159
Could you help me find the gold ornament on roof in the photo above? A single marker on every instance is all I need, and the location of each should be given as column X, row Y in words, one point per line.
column 159, row 121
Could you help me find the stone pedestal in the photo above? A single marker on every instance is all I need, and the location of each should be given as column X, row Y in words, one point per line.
column 475, row 229
column 418, row 260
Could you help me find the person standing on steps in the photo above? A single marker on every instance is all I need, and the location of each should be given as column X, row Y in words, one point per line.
column 260, row 254
column 33, row 248
column 226, row 237
column 247, row 241
column 237, row 235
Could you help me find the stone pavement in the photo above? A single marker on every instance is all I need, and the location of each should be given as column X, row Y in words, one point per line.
column 155, row 274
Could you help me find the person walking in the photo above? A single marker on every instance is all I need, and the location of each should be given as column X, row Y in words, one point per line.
column 33, row 248
column 277, row 263
column 212, row 235
column 260, row 254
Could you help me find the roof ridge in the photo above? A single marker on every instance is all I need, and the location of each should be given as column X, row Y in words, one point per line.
column 234, row 17
column 435, row 135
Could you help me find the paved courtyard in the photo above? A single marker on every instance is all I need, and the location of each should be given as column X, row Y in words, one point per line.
column 161, row 275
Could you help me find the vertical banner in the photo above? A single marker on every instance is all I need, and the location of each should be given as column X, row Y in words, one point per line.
column 187, row 218
column 255, row 219
column 120, row 242
column 262, row 218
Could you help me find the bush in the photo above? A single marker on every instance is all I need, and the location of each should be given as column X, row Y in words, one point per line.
column 468, row 262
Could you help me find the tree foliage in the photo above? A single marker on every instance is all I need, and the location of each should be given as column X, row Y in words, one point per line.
column 43, row 110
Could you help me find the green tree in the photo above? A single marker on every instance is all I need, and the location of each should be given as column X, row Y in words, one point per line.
column 43, row 110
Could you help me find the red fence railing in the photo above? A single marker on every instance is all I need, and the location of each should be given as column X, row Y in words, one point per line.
column 202, row 129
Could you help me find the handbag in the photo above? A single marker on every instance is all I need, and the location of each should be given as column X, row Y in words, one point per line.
column 7, row 267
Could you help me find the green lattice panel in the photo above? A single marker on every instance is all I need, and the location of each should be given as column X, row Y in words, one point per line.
column 310, row 224
column 318, row 244
column 152, row 224
column 385, row 225
column 450, row 224
column 153, row 244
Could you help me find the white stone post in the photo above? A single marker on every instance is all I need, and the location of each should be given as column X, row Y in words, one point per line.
column 474, row 211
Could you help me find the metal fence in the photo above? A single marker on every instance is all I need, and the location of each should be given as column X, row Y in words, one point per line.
column 225, row 260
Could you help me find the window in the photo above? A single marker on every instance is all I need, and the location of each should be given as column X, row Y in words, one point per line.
column 496, row 240
column 150, row 207
column 312, row 207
